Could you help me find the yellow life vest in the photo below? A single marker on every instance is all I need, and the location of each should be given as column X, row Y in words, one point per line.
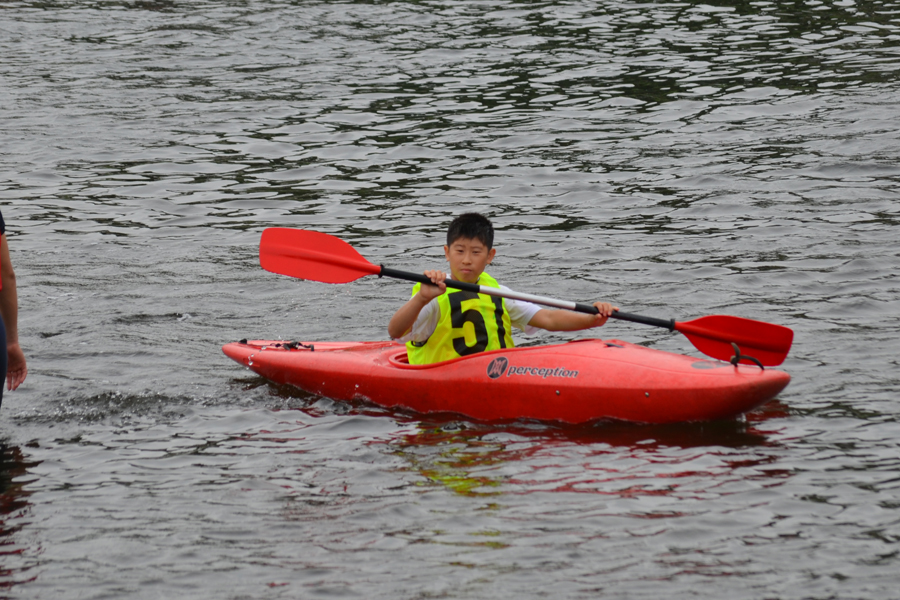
column 469, row 323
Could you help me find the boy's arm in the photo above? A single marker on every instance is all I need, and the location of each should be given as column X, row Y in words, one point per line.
column 405, row 317
column 567, row 320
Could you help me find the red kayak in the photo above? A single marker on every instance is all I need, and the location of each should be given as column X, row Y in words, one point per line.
column 574, row 382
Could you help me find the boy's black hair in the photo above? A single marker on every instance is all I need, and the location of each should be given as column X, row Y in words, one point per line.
column 471, row 226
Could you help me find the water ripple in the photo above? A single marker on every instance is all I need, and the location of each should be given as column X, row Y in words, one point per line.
column 680, row 159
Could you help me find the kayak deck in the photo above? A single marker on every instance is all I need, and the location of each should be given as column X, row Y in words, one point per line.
column 573, row 382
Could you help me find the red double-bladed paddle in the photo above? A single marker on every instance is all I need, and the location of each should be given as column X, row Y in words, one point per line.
column 321, row 257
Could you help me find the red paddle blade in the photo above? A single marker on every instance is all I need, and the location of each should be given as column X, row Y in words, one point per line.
column 714, row 336
column 312, row 255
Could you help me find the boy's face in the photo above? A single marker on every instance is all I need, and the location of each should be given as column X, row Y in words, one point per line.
column 468, row 259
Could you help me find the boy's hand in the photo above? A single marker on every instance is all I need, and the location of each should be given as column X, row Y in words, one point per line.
column 605, row 309
column 405, row 317
column 430, row 292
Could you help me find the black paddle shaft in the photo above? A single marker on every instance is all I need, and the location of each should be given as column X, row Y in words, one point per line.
column 420, row 278
column 666, row 323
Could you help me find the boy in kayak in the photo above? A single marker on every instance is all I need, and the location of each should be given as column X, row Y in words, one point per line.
column 433, row 322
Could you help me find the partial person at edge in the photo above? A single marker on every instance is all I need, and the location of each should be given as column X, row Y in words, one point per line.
column 12, row 360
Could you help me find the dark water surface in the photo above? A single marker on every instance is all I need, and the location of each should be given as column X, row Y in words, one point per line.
column 679, row 159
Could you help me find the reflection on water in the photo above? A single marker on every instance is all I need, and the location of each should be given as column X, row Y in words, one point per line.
column 16, row 558
column 477, row 459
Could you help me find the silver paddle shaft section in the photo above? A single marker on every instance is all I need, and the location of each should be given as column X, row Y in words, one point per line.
column 576, row 306
column 542, row 300
column 489, row 291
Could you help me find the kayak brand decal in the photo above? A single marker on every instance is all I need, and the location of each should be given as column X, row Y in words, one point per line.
column 500, row 365
column 497, row 367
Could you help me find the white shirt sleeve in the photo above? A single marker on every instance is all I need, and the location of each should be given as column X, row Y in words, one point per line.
column 424, row 325
column 520, row 313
